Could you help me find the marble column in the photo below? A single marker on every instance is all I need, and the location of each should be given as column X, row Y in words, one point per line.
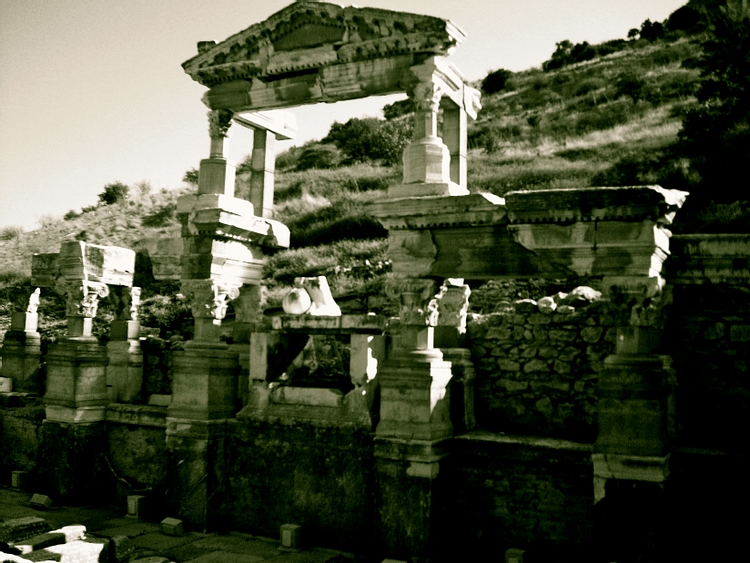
column 216, row 175
column 74, row 434
column 414, row 420
column 450, row 332
column 21, row 351
column 204, row 396
column 125, row 369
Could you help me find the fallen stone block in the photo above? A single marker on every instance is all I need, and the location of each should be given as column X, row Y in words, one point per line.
column 121, row 548
column 172, row 527
column 79, row 551
column 136, row 505
column 41, row 541
column 6, row 384
column 41, row 501
column 291, row 535
column 72, row 533
column 19, row 479
column 514, row 555
column 19, row 529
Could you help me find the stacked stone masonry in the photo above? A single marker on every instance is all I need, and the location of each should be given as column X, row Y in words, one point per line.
column 537, row 369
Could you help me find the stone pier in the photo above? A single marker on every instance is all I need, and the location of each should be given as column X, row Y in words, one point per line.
column 76, row 394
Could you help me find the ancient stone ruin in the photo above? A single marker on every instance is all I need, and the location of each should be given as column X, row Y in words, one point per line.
column 571, row 401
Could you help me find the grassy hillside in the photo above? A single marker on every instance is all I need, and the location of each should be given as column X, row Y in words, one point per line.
column 609, row 120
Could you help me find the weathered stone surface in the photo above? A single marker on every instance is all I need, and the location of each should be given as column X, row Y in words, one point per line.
column 544, row 406
column 535, row 365
column 591, row 334
column 508, row 365
column 525, row 306
column 513, row 386
column 714, row 332
column 547, row 305
column 739, row 333
column 562, row 335
column 19, row 529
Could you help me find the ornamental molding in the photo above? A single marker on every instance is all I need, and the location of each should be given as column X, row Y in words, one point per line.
column 82, row 297
column 307, row 36
column 415, row 299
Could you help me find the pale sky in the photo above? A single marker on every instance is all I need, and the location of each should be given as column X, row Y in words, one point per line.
column 92, row 91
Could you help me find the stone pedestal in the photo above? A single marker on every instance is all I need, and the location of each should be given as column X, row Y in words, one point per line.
column 76, row 381
column 124, row 371
column 414, row 396
column 204, row 382
column 21, row 353
column 632, row 406
column 74, row 434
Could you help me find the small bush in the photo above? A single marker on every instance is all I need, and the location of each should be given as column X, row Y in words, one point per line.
column 10, row 233
column 495, row 81
column 398, row 109
column 318, row 155
column 47, row 221
column 162, row 217
column 287, row 160
column 191, row 176
column 70, row 215
column 88, row 209
column 114, row 192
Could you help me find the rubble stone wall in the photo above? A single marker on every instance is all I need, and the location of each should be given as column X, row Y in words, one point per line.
column 319, row 477
column 505, row 494
column 708, row 337
column 537, row 371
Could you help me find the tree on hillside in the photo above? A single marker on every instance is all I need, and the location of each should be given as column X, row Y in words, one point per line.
column 495, row 81
column 114, row 192
column 716, row 133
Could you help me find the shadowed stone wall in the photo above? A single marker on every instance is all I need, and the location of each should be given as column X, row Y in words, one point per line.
column 537, row 371
column 319, row 477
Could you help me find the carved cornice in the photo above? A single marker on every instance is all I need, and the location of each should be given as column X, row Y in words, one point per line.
column 308, row 36
column 209, row 299
column 632, row 203
column 415, row 299
column 439, row 211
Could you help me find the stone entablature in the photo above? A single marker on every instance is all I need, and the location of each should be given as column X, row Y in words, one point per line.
column 305, row 38
column 701, row 259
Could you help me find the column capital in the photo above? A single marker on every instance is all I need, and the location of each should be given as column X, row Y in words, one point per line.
column 209, row 299
column 453, row 304
column 219, row 123
column 415, row 297
column 82, row 297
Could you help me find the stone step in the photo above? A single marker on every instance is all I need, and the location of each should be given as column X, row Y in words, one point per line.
column 18, row 529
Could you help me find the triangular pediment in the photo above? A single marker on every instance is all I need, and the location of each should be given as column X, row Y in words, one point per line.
column 313, row 35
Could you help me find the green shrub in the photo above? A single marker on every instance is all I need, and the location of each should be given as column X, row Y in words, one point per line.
column 191, row 176
column 10, row 233
column 287, row 160
column 398, row 109
column 362, row 140
column 318, row 155
column 162, row 217
column 495, row 81
column 114, row 192
column 169, row 313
